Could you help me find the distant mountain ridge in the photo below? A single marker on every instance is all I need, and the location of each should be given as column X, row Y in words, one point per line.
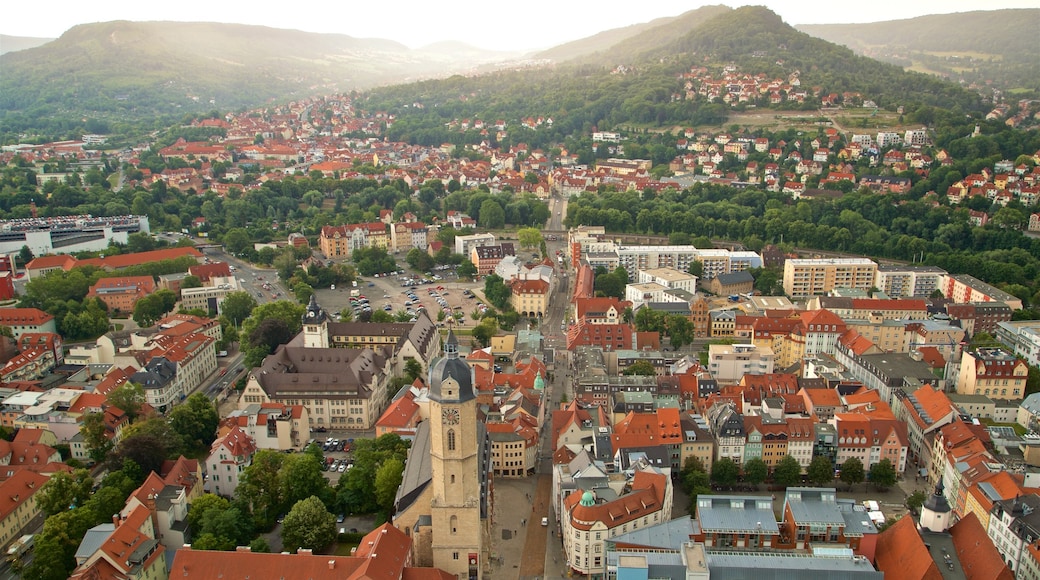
column 169, row 66
column 15, row 43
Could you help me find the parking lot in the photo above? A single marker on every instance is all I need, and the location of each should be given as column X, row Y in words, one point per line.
column 408, row 292
column 338, row 456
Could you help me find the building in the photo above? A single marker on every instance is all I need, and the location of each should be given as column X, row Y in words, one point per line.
column 1023, row 337
column 809, row 277
column 730, row 284
column 385, row 552
column 529, row 297
column 18, row 503
column 270, row 425
column 993, row 372
column 68, row 234
column 736, row 523
column 121, row 294
column 209, row 297
column 21, row 320
column 815, row 516
column 669, row 278
column 446, row 494
column 124, row 548
column 590, row 518
column 1014, row 527
column 407, row 235
column 229, row 455
column 962, row 288
column 728, row 363
column 464, row 244
column 341, row 241
column 486, row 258
column 908, row 281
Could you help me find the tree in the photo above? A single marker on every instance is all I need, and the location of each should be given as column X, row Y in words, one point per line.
column 529, row 237
column 483, row 332
column 143, row 449
column 25, row 255
column 308, row 525
column 419, row 260
column 237, row 306
column 821, row 471
column 680, row 330
column 196, row 421
column 300, row 477
column 496, row 291
column 915, row 501
column 152, row 307
column 641, row 367
column 883, row 474
column 388, row 479
column 129, row 397
column 64, row 491
column 412, row 370
column 491, row 215
column 852, row 472
column 755, row 471
column 466, row 270
column 259, row 488
column 237, row 241
column 202, row 505
column 93, row 430
column 191, row 282
column 788, row 472
column 724, row 472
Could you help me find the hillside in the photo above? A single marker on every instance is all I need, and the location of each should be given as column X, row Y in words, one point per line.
column 974, row 47
column 148, row 68
column 16, row 43
column 646, row 92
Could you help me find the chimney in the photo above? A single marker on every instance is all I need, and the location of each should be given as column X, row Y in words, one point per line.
column 332, row 564
column 243, row 549
column 115, row 519
column 304, row 551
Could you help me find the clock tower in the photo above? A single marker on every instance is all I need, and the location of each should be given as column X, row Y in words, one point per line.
column 459, row 463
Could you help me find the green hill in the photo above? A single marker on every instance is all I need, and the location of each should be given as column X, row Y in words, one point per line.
column 984, row 47
column 148, row 68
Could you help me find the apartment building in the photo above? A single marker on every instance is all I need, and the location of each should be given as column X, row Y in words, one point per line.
column 729, row 362
column 210, row 297
column 1023, row 337
column 464, row 244
column 908, row 281
column 341, row 241
column 993, row 372
column 407, row 235
column 963, row 288
column 809, row 277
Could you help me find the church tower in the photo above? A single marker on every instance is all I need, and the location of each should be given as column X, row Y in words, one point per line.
column 315, row 326
column 459, row 478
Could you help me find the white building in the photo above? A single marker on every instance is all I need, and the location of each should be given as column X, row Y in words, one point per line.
column 465, row 244
column 1023, row 337
column 228, row 457
column 908, row 281
column 727, row 363
column 209, row 298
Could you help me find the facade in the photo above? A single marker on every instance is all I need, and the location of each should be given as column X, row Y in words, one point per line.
column 809, row 277
column 68, row 234
column 105, row 550
column 816, row 515
column 993, row 372
column 21, row 320
column 1014, row 526
column 209, row 298
column 908, row 281
column 529, row 297
column 962, row 288
column 669, row 278
column 729, row 362
column 121, row 294
column 464, row 244
column 407, row 235
column 228, row 457
column 341, row 241
column 486, row 258
column 18, row 503
column 1023, row 337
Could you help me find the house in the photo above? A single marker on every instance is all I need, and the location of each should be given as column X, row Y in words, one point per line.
column 1014, row 526
column 21, row 320
column 229, row 455
column 122, row 293
column 341, row 241
column 168, row 505
column 993, row 372
column 529, row 297
column 125, row 548
column 18, row 503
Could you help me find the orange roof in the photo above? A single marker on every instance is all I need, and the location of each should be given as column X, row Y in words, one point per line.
column 822, row 397
column 23, row 317
column 17, row 489
column 934, row 404
column 902, row 555
column 978, row 556
column 399, row 413
column 127, row 260
column 646, row 497
column 599, row 306
column 44, row 262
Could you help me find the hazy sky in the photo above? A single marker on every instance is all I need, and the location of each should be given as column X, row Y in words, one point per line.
column 487, row 24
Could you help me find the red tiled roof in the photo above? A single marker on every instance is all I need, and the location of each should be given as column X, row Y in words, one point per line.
column 17, row 489
column 23, row 317
column 902, row 555
column 127, row 260
column 978, row 556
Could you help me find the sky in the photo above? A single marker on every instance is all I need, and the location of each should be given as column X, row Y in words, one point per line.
column 487, row 24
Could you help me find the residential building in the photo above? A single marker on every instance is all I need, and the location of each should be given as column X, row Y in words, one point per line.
column 168, row 504
column 735, row 283
column 464, row 244
column 901, row 281
column 924, row 411
column 815, row 515
column 529, row 297
column 669, row 278
column 341, row 241
column 1023, row 338
column 21, row 320
column 486, row 258
column 121, row 294
column 125, row 548
column 18, row 503
column 407, row 235
column 886, row 372
column 809, row 277
column 993, row 372
column 271, row 425
column 963, row 288
column 589, row 520
column 1014, row 526
column 229, row 455
column 729, row 362
column 867, row 308
column 209, row 298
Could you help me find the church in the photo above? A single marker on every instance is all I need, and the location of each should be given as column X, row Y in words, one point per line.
column 445, row 500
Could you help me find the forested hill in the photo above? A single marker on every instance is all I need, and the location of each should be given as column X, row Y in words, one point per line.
column 147, row 68
column 645, row 88
column 976, row 46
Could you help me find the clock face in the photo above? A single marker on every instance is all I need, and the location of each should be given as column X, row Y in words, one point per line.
column 450, row 416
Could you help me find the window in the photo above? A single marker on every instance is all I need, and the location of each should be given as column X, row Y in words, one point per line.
column 453, row 478
column 454, row 524
column 451, row 440
column 454, row 555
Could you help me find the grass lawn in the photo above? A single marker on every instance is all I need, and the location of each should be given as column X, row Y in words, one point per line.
column 1019, row 430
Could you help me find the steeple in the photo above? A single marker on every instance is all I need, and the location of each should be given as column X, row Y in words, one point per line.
column 451, row 346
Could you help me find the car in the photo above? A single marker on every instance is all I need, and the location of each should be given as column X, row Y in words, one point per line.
column 259, row 294
column 545, row 521
column 340, row 518
column 342, row 467
column 370, row 284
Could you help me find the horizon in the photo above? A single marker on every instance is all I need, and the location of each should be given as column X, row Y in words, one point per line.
column 539, row 25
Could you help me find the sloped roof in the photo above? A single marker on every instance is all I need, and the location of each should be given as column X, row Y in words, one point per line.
column 902, row 555
column 978, row 556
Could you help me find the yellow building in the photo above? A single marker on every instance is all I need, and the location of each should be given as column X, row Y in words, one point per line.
column 341, row 241
column 18, row 503
column 803, row 278
column 993, row 372
column 530, row 297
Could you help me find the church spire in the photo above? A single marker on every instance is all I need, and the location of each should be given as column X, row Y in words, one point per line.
column 451, row 346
